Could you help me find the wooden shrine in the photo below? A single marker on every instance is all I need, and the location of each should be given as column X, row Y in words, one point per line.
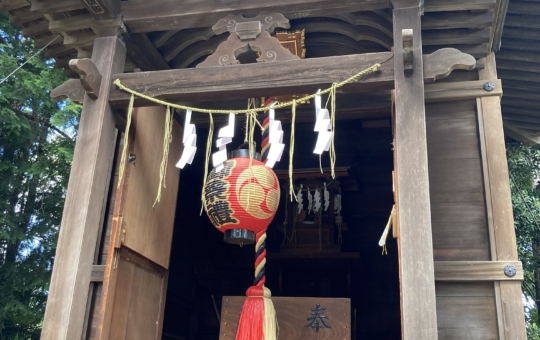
column 306, row 228
column 424, row 132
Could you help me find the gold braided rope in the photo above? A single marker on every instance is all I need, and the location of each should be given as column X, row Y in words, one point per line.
column 126, row 141
column 332, row 152
column 366, row 72
column 207, row 161
column 291, row 153
column 250, row 112
column 167, row 139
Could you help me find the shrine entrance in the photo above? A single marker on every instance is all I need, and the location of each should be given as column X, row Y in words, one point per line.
column 308, row 262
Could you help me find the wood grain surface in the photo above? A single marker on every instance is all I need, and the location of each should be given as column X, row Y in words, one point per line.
column 292, row 314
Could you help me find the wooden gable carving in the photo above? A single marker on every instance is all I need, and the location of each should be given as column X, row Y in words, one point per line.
column 249, row 34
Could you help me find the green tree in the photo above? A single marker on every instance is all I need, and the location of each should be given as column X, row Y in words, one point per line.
column 524, row 169
column 36, row 146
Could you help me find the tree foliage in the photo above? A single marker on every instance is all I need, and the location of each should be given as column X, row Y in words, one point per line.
column 36, row 147
column 524, row 170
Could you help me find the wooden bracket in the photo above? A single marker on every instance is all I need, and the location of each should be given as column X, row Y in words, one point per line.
column 71, row 89
column 441, row 63
column 408, row 64
column 89, row 75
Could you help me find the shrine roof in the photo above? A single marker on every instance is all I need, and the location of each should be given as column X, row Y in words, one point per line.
column 168, row 34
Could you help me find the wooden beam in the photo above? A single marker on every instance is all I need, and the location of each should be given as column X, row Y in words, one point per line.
column 521, row 44
column 35, row 29
column 461, row 90
column 85, row 203
column 463, row 36
column 476, row 271
column 519, row 65
column 415, row 245
column 43, row 41
column 520, row 33
column 500, row 204
column 9, row 5
column 74, row 23
column 163, row 37
column 452, row 20
column 521, row 94
column 56, row 6
column 255, row 80
column 144, row 53
column 458, row 5
column 524, row 7
column 514, row 55
column 516, row 20
column 521, row 85
column 521, row 111
column 519, row 75
column 163, row 15
column 21, row 18
column 103, row 9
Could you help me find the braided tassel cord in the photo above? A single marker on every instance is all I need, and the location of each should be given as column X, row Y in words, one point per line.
column 260, row 261
column 258, row 317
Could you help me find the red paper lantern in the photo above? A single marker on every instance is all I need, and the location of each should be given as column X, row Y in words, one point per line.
column 241, row 201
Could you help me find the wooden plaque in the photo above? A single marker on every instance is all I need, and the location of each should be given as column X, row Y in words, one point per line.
column 293, row 314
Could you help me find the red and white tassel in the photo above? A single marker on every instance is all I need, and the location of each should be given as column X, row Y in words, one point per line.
column 258, row 317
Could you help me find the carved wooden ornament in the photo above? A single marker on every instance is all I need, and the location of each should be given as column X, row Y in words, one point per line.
column 89, row 75
column 249, row 34
column 441, row 63
column 71, row 89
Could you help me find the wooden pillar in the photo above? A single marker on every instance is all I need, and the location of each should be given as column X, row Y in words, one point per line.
column 499, row 203
column 418, row 308
column 85, row 202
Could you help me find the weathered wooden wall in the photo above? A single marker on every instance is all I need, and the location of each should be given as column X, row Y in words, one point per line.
column 472, row 218
column 459, row 221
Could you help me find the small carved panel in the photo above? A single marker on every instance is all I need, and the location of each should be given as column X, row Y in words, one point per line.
column 298, row 318
column 294, row 41
column 94, row 6
column 269, row 22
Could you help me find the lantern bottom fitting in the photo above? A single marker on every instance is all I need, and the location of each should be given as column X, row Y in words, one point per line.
column 239, row 236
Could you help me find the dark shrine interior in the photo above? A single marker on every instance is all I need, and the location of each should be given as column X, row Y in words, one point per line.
column 203, row 268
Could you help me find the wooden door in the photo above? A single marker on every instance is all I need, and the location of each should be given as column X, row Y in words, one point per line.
column 135, row 282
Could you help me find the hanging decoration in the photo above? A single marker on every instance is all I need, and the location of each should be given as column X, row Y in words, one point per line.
column 384, row 236
column 337, row 211
column 331, row 90
column 241, row 201
column 322, row 126
column 225, row 136
column 272, row 139
column 317, row 202
column 189, row 141
column 167, row 139
column 326, row 198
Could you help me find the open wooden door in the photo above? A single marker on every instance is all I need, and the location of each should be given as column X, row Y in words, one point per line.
column 135, row 282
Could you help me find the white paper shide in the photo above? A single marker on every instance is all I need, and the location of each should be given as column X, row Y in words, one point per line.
column 189, row 141
column 225, row 136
